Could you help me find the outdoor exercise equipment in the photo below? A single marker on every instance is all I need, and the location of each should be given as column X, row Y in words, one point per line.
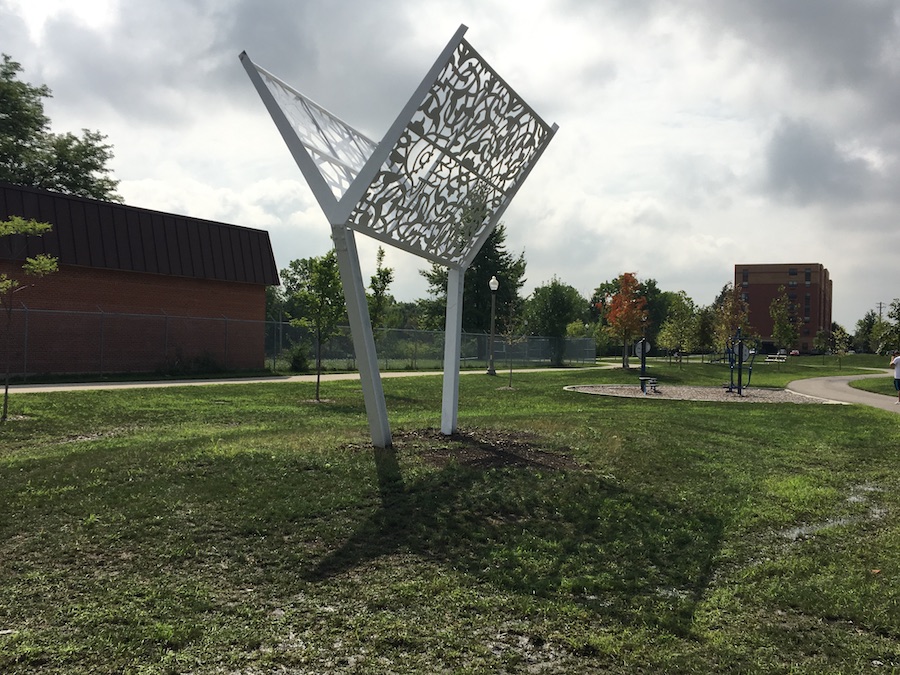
column 739, row 356
column 462, row 145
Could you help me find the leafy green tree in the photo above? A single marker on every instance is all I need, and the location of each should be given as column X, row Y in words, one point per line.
column 627, row 314
column 31, row 155
column 657, row 307
column 316, row 300
column 11, row 231
column 822, row 342
column 549, row 311
column 680, row 330
column 730, row 312
column 491, row 260
column 892, row 334
column 862, row 338
column 378, row 297
column 840, row 341
column 785, row 330
column 706, row 334
column 880, row 337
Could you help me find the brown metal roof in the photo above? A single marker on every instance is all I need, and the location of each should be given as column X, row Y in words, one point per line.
column 91, row 233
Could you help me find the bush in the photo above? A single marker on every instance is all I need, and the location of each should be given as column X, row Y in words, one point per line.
column 298, row 358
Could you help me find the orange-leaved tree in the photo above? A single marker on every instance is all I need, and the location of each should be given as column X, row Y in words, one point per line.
column 627, row 315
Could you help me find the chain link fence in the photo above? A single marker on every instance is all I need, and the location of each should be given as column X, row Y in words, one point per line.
column 291, row 347
column 49, row 342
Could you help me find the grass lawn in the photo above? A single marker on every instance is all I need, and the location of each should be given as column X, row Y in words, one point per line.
column 245, row 528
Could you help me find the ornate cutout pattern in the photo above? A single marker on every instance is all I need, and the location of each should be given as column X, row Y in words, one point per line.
column 338, row 149
column 471, row 138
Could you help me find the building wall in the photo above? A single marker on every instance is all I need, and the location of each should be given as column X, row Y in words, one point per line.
column 808, row 286
column 84, row 320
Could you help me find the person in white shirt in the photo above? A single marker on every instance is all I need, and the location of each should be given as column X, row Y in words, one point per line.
column 895, row 364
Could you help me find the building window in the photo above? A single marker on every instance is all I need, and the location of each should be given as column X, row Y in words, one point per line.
column 808, row 275
column 745, row 276
column 792, row 271
column 792, row 283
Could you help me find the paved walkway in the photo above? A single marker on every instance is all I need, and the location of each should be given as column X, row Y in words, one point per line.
column 838, row 390
column 326, row 377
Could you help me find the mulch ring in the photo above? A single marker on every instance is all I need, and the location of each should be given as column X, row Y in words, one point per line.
column 482, row 448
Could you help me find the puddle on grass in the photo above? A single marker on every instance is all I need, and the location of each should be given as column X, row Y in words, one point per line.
column 859, row 494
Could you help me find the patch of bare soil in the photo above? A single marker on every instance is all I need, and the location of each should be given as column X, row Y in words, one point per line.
column 483, row 448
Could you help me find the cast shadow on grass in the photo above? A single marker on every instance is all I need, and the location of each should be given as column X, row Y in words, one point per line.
column 559, row 534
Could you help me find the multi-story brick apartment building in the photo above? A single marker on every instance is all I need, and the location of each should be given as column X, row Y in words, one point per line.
column 808, row 286
column 136, row 291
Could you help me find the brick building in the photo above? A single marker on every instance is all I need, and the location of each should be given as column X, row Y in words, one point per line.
column 808, row 286
column 136, row 291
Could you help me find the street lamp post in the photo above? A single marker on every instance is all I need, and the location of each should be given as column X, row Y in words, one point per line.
column 494, row 285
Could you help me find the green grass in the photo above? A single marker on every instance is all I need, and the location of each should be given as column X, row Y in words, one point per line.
column 246, row 529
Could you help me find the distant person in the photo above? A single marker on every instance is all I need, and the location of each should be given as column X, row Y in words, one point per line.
column 895, row 364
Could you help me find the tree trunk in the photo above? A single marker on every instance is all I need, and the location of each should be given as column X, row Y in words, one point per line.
column 318, row 363
column 7, row 349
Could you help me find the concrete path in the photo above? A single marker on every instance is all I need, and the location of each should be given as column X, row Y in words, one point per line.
column 838, row 390
column 326, row 377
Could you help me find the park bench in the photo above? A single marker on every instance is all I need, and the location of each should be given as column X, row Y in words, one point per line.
column 648, row 382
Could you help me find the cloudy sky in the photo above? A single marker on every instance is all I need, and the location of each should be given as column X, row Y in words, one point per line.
column 694, row 134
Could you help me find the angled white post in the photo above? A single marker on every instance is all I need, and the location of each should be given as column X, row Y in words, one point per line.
column 463, row 136
column 361, row 330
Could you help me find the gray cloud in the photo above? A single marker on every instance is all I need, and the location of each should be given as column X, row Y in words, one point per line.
column 661, row 107
column 803, row 164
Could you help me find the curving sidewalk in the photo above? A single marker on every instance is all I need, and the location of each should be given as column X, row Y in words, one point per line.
column 837, row 389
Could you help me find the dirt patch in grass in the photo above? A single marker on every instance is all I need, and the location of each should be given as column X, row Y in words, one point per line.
column 482, row 448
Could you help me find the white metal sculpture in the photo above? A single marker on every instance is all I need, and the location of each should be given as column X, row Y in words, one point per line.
column 464, row 137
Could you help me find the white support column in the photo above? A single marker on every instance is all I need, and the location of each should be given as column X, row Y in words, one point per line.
column 452, row 347
column 363, row 340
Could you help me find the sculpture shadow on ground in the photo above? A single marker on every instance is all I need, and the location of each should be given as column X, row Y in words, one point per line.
column 536, row 523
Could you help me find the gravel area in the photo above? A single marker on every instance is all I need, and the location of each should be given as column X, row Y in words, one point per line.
column 749, row 395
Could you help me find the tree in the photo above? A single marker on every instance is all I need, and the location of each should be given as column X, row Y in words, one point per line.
column 880, row 337
column 785, row 330
column 378, row 298
column 822, row 342
column 316, row 299
column 15, row 231
column 730, row 313
column 30, row 154
column 863, row 336
column 892, row 334
column 550, row 309
column 840, row 341
column 627, row 312
column 491, row 260
column 706, row 329
column 680, row 330
column 513, row 333
column 657, row 307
